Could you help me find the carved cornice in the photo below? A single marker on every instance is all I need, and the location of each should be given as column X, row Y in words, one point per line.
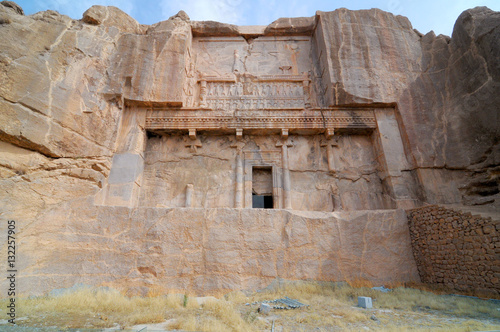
column 202, row 120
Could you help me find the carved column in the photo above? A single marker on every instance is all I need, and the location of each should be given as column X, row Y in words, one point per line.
column 203, row 93
column 193, row 144
column 189, row 195
column 238, row 197
column 330, row 143
column 239, row 181
column 287, row 199
column 307, row 99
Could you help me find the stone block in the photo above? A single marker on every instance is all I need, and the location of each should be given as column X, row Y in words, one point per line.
column 264, row 308
column 365, row 302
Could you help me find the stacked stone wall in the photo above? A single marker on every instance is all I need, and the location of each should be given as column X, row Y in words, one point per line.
column 456, row 249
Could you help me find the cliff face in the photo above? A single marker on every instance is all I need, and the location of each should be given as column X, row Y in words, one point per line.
column 452, row 120
column 371, row 55
column 444, row 90
column 64, row 85
column 62, row 80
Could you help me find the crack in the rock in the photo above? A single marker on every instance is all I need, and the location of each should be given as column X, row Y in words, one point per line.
column 51, row 120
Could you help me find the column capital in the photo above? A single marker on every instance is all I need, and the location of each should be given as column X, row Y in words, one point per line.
column 192, row 134
column 238, row 145
column 332, row 141
column 193, row 144
column 284, row 142
column 329, row 132
column 239, row 134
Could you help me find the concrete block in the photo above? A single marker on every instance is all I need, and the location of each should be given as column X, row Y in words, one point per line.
column 365, row 302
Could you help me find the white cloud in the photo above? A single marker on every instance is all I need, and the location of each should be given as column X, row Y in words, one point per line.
column 267, row 11
column 226, row 11
column 240, row 12
column 424, row 14
column 439, row 16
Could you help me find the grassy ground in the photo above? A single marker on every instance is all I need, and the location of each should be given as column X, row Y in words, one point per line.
column 331, row 308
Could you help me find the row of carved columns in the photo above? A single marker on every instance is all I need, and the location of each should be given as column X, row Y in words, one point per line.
column 125, row 179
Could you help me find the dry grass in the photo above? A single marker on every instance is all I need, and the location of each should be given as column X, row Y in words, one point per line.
column 331, row 308
column 99, row 308
column 106, row 306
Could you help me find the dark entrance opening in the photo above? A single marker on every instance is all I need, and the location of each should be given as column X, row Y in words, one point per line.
column 262, row 201
column 262, row 188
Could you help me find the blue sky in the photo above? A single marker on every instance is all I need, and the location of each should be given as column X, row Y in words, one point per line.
column 425, row 15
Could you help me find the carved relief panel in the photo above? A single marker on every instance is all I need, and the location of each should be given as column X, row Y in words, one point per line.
column 190, row 85
column 266, row 73
column 255, row 95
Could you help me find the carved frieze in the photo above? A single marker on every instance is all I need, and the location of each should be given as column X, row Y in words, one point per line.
column 286, row 119
column 259, row 95
column 249, row 92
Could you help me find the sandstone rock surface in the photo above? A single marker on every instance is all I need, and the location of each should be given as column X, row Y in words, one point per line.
column 111, row 17
column 13, row 5
column 78, row 100
column 209, row 250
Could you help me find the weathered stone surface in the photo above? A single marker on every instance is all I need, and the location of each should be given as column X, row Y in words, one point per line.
column 211, row 28
column 207, row 250
column 111, row 17
column 50, row 82
column 456, row 249
column 138, row 75
column 14, row 6
column 286, row 26
column 181, row 15
column 110, row 129
column 467, row 138
column 371, row 56
column 447, row 131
